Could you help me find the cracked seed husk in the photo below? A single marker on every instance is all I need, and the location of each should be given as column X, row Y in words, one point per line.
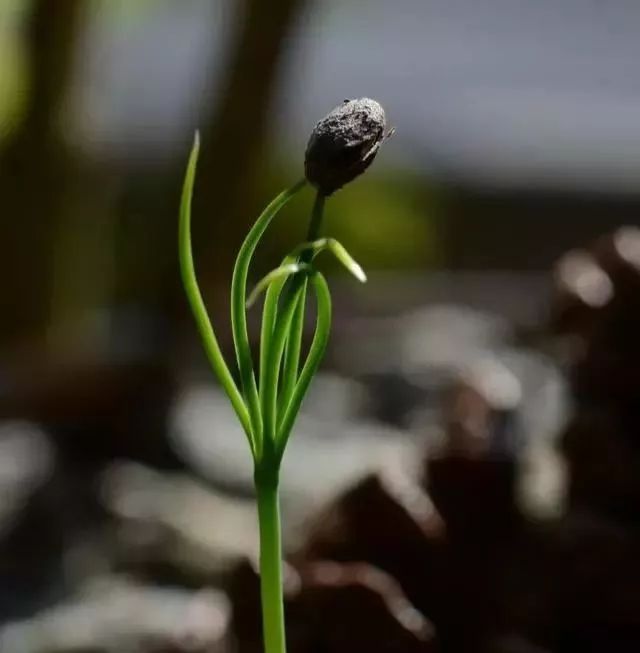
column 344, row 143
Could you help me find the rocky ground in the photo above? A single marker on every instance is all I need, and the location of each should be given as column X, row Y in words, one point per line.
column 474, row 490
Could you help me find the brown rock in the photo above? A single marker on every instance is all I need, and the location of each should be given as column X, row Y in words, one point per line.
column 333, row 608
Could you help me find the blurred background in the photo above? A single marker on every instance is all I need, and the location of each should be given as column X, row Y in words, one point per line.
column 465, row 474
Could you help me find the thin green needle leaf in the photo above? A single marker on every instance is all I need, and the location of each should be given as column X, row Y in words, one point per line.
column 307, row 251
column 279, row 274
column 238, row 302
column 310, row 249
column 346, row 259
column 293, row 343
column 269, row 314
column 314, row 358
column 194, row 296
column 269, row 391
column 313, row 247
column 292, row 350
column 337, row 249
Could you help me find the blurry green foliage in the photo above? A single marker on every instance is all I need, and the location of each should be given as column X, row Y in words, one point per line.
column 389, row 220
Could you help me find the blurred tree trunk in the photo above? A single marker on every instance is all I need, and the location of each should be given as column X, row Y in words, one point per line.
column 233, row 142
column 34, row 172
column 234, row 137
column 234, row 131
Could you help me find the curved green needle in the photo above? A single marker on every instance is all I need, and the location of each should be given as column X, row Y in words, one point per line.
column 238, row 304
column 314, row 358
column 194, row 296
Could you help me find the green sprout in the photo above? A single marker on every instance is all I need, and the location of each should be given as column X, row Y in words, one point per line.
column 342, row 146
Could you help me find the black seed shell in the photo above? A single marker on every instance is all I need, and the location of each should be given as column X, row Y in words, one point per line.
column 344, row 143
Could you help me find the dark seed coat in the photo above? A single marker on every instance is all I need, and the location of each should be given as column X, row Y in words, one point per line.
column 344, row 143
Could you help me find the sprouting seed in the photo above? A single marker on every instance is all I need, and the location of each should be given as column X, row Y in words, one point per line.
column 344, row 143
column 342, row 146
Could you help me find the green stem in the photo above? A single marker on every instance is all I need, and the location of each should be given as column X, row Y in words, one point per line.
column 271, row 567
column 317, row 214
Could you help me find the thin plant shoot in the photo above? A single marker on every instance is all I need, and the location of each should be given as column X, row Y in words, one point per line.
column 341, row 147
